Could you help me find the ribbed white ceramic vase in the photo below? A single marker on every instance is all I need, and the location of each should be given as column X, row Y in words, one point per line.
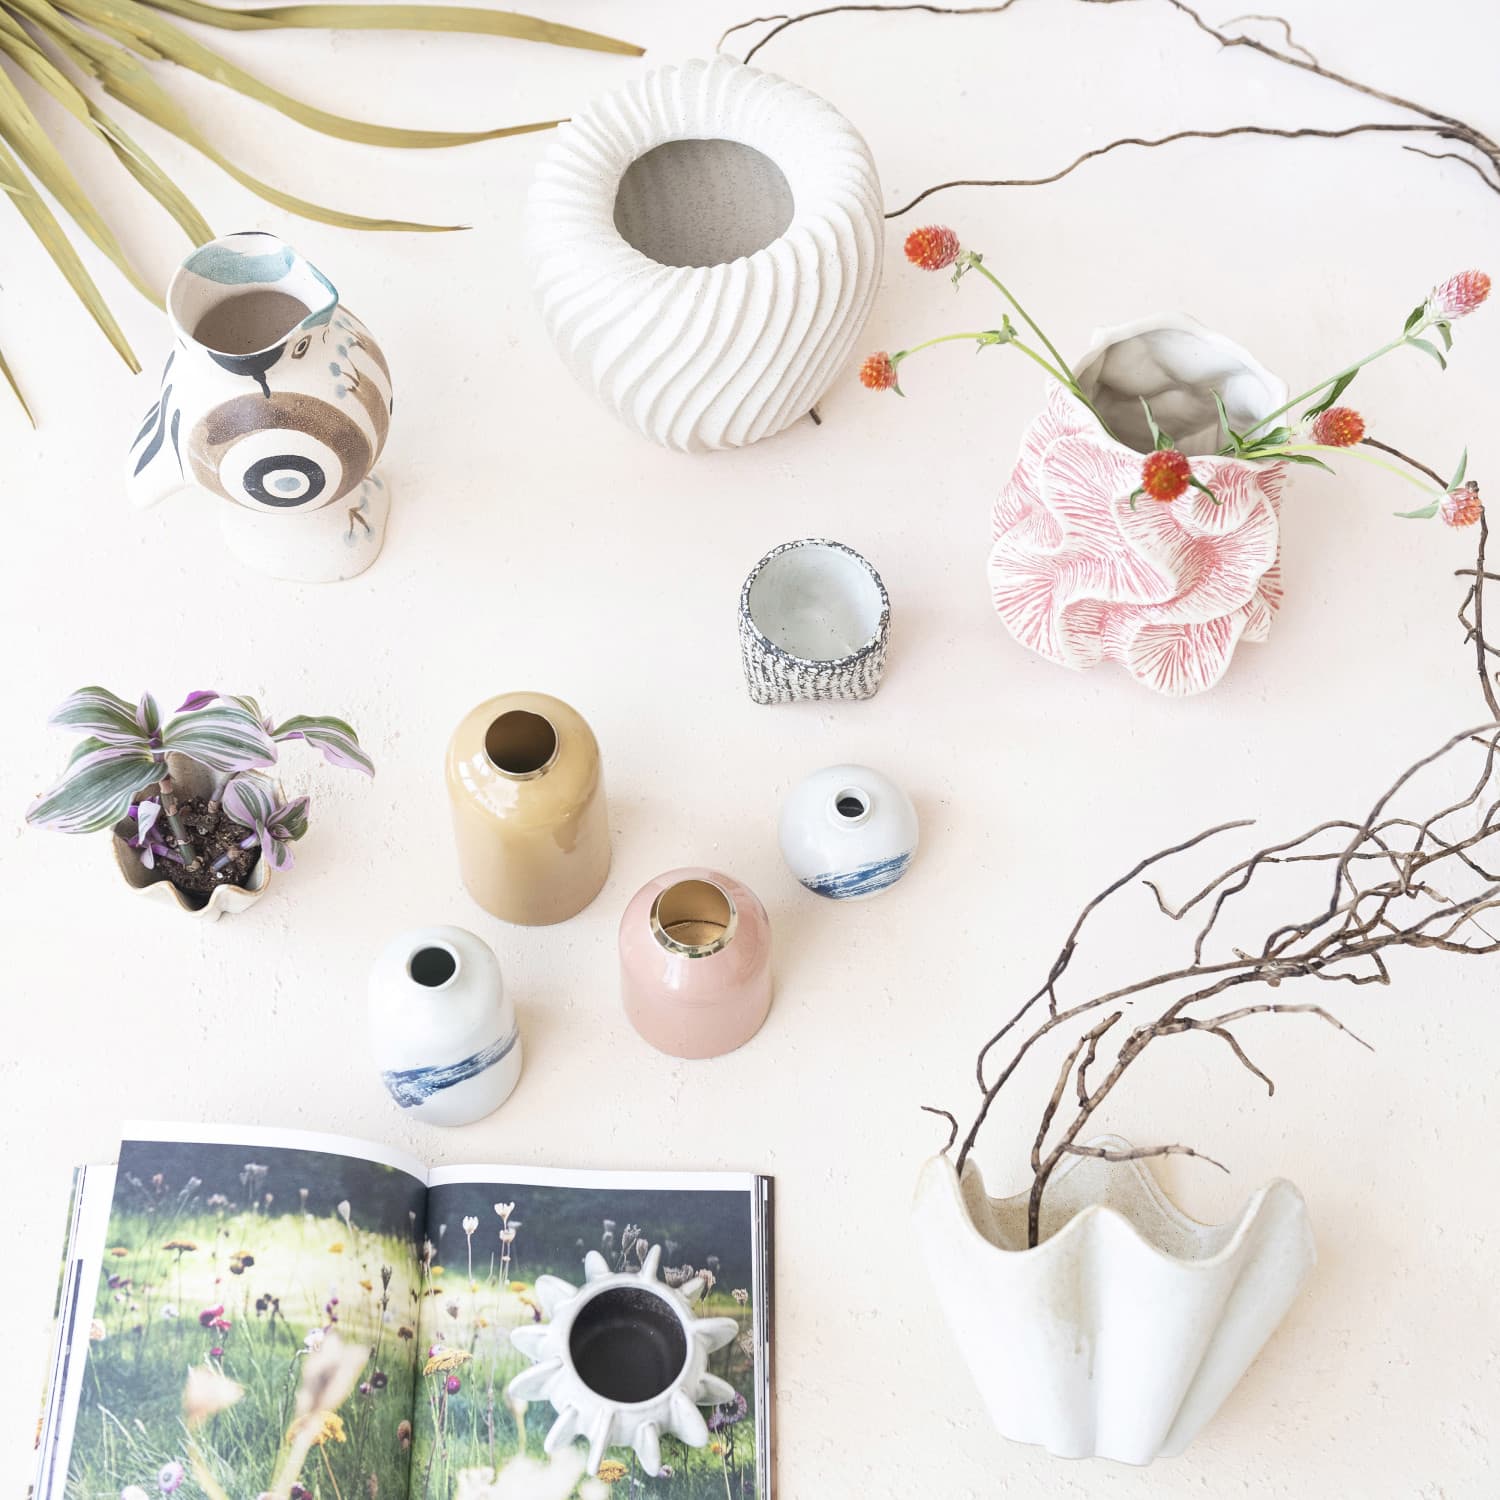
column 1120, row 1335
column 706, row 244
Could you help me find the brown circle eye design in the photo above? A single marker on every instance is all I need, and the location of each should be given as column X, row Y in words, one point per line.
column 302, row 346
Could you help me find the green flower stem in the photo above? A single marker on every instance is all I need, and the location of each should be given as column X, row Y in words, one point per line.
column 1380, row 463
column 1026, row 317
column 1058, row 375
column 983, row 338
column 1323, row 385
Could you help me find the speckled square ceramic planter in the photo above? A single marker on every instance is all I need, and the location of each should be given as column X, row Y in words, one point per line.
column 814, row 622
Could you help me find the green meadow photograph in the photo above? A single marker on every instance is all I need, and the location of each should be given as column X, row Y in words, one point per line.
column 285, row 1324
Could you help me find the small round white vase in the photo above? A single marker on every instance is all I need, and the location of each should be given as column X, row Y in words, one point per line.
column 848, row 832
column 442, row 1029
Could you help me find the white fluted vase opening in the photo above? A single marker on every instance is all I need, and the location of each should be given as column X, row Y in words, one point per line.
column 706, row 244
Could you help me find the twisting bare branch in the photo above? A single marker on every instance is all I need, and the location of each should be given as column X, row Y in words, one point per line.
column 1474, row 624
column 1415, row 872
column 1141, row 1153
column 1431, row 122
column 1390, row 127
column 952, row 1124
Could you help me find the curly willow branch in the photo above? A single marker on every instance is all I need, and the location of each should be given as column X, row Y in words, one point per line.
column 1416, row 871
column 1432, row 122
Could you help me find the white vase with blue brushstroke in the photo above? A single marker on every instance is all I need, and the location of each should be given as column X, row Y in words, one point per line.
column 847, row 832
column 442, row 1028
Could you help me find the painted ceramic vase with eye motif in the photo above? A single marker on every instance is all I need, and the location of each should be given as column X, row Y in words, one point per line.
column 276, row 401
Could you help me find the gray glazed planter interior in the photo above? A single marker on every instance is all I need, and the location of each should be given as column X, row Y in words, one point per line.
column 817, row 603
column 702, row 202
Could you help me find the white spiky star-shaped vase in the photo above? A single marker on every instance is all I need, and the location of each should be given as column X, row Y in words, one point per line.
column 623, row 1359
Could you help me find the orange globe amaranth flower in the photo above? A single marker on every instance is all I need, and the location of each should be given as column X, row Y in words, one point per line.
column 878, row 373
column 934, row 248
column 1338, row 427
column 1461, row 506
column 1166, row 474
column 1458, row 296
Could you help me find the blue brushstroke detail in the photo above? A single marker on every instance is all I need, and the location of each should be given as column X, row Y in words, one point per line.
column 230, row 267
column 410, row 1087
column 863, row 880
column 147, row 425
column 154, row 446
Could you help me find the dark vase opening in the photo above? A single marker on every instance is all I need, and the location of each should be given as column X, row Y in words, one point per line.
column 432, row 966
column 628, row 1345
column 521, row 743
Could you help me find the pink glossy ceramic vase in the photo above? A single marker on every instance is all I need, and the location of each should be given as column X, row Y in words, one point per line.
column 695, row 963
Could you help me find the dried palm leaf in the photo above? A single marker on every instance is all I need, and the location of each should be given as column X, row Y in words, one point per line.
column 109, row 41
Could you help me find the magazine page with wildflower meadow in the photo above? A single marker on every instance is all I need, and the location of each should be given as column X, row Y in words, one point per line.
column 627, row 1311
column 243, row 1322
column 289, row 1316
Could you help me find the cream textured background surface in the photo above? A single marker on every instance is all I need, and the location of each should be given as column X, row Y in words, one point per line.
column 537, row 543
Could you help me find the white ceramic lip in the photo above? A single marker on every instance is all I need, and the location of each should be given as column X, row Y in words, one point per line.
column 773, row 648
column 726, row 96
column 1105, row 339
column 436, row 946
column 222, row 900
column 317, row 312
column 1243, row 1222
column 684, row 1319
column 841, row 819
column 694, row 950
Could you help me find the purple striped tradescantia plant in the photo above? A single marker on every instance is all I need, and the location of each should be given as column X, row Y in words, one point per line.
column 338, row 742
column 274, row 825
column 119, row 774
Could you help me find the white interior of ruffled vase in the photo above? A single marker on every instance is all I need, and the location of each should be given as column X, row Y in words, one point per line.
column 1177, row 369
column 1120, row 1186
column 816, row 603
column 702, row 202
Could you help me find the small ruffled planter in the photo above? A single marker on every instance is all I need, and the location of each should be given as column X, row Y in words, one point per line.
column 815, row 621
column 1081, row 576
column 154, row 885
column 1123, row 1331
column 707, row 243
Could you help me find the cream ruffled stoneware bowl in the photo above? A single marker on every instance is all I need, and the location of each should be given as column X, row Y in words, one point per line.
column 1121, row 1334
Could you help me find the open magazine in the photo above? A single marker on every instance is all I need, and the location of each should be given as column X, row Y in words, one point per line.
column 247, row 1313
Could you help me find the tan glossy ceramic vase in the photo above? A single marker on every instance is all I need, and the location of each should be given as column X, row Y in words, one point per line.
column 695, row 963
column 529, row 814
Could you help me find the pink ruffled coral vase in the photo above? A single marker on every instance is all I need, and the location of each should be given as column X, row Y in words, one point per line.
column 1166, row 590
